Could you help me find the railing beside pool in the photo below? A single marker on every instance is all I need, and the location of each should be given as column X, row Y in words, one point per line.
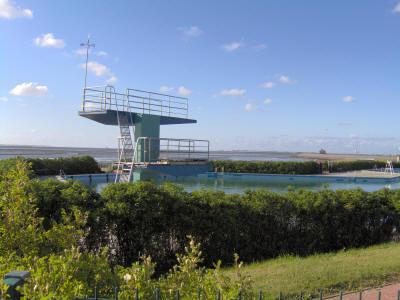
column 150, row 149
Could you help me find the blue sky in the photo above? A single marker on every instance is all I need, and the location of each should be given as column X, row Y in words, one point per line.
column 260, row 75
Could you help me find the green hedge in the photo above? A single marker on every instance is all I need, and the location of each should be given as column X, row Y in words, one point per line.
column 49, row 166
column 267, row 167
column 295, row 167
column 142, row 218
column 354, row 165
column 87, row 165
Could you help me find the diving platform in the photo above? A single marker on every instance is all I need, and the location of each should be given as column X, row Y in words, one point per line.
column 139, row 114
column 109, row 117
column 104, row 105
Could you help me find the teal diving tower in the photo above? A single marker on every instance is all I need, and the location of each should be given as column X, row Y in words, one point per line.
column 139, row 115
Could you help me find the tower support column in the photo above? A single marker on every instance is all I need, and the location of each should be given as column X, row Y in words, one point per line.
column 148, row 150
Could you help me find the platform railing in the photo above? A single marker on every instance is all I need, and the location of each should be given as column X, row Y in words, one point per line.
column 101, row 98
column 150, row 149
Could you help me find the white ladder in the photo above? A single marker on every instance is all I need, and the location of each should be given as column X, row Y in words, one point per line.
column 126, row 155
column 389, row 167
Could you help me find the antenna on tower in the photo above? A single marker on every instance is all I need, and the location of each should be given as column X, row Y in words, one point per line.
column 87, row 45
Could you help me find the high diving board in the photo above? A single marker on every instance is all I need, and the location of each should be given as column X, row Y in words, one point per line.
column 110, row 117
column 104, row 105
column 139, row 114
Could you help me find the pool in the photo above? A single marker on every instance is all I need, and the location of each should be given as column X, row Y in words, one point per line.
column 238, row 183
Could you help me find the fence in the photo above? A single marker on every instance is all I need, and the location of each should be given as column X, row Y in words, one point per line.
column 15, row 279
column 103, row 98
column 220, row 296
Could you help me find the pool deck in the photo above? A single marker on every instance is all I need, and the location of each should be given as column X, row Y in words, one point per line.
column 364, row 174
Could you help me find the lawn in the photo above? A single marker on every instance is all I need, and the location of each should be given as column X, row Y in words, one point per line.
column 346, row 270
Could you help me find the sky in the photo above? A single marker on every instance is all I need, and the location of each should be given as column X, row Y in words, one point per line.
column 260, row 75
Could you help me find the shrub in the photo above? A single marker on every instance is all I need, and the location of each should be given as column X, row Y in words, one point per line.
column 60, row 269
column 70, row 165
column 296, row 167
column 268, row 167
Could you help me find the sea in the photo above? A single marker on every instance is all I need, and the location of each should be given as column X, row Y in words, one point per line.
column 105, row 155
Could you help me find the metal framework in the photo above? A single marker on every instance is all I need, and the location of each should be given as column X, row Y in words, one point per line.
column 103, row 98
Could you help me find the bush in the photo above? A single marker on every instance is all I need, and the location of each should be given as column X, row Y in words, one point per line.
column 62, row 270
column 70, row 165
column 47, row 166
column 145, row 219
column 151, row 220
column 296, row 167
column 355, row 165
column 268, row 167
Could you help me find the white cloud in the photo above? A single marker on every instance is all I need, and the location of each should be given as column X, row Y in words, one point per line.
column 166, row 89
column 112, row 79
column 260, row 47
column 233, row 92
column 396, row 9
column 286, row 79
column 91, row 105
column 81, row 51
column 29, row 89
column 268, row 85
column 232, row 46
column 101, row 53
column 48, row 40
column 267, row 101
column 348, row 99
column 3, row 99
column 192, row 31
column 183, row 91
column 9, row 10
column 97, row 68
column 250, row 107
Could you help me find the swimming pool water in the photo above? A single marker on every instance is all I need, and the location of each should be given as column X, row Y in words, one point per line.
column 238, row 183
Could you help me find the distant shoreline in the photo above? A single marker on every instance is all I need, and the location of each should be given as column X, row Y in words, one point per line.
column 110, row 154
column 334, row 156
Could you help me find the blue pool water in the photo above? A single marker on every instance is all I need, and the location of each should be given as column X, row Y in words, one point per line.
column 238, row 183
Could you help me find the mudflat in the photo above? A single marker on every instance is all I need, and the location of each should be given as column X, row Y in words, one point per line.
column 334, row 156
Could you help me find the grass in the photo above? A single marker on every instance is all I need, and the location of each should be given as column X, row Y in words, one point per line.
column 345, row 270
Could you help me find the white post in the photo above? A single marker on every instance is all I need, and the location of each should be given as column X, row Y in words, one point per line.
column 87, row 54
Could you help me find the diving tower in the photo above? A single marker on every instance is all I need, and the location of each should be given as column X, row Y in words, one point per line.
column 139, row 115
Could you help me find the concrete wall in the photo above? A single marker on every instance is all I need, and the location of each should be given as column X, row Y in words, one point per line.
column 147, row 126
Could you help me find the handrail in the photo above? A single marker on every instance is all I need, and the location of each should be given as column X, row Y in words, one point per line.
column 100, row 98
column 182, row 148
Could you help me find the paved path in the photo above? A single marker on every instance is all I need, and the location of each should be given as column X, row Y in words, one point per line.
column 364, row 173
column 388, row 292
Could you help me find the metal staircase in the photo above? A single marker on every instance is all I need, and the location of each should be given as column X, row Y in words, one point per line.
column 126, row 151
